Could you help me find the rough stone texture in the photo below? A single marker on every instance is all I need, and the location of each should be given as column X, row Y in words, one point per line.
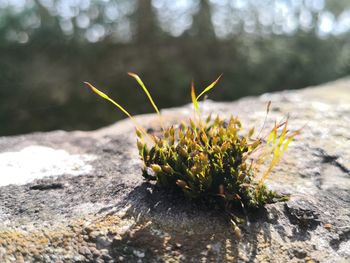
column 97, row 208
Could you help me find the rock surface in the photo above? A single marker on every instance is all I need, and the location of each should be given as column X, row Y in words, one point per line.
column 80, row 197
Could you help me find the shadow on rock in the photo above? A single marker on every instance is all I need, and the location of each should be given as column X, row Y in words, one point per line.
column 168, row 226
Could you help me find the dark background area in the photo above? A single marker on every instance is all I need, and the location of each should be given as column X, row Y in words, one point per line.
column 49, row 47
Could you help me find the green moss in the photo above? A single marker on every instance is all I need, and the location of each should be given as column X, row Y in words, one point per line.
column 213, row 161
column 210, row 161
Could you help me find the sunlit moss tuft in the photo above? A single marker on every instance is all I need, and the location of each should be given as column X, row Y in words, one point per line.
column 212, row 160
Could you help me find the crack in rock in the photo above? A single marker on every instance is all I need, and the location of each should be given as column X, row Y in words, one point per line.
column 49, row 186
column 342, row 237
column 331, row 159
column 303, row 214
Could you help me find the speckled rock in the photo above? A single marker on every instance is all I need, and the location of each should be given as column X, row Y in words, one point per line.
column 80, row 197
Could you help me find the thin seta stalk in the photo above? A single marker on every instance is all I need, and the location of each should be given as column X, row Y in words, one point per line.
column 142, row 85
column 138, row 127
column 196, row 98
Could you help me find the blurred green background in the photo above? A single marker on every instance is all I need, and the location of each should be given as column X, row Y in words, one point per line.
column 49, row 47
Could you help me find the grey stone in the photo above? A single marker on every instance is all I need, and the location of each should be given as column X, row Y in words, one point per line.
column 97, row 207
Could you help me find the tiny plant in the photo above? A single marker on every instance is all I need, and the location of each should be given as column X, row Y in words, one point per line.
column 211, row 159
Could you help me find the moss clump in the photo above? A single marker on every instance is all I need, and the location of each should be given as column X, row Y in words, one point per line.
column 211, row 160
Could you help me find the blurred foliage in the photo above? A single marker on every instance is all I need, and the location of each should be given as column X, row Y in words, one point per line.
column 49, row 47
